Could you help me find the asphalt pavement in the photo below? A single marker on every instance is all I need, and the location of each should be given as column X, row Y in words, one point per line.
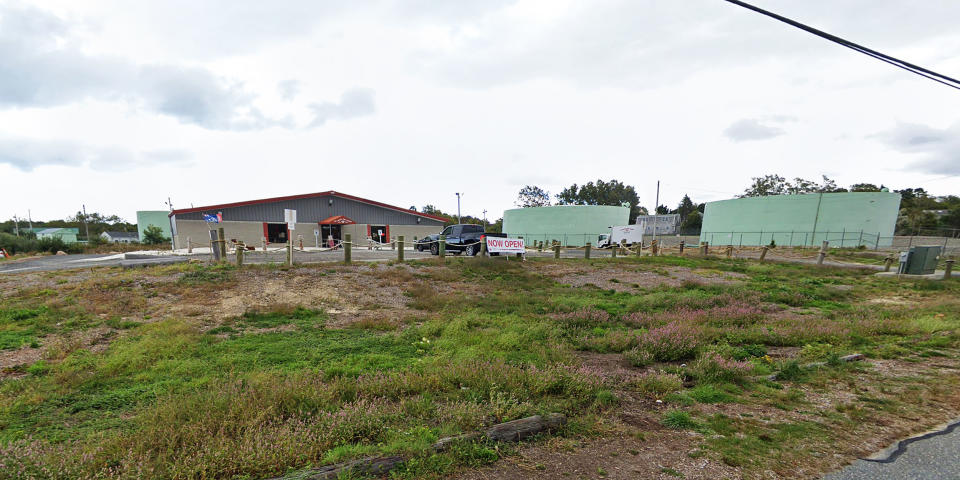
column 67, row 262
column 931, row 456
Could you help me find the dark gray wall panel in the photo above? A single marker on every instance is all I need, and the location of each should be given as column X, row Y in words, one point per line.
column 311, row 210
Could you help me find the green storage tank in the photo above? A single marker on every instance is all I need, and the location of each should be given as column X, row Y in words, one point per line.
column 159, row 218
column 572, row 225
column 844, row 219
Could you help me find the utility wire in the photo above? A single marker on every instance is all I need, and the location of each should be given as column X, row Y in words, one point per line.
column 923, row 72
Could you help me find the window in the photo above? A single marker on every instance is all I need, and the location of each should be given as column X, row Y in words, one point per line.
column 473, row 229
column 446, row 231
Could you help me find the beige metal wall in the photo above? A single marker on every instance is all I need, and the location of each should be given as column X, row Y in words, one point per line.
column 198, row 232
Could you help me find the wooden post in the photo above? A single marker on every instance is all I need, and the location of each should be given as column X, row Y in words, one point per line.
column 264, row 243
column 613, row 253
column 239, row 254
column 654, row 247
column 443, row 246
column 483, row 246
column 704, row 248
column 347, row 248
column 223, row 244
column 540, row 246
column 729, row 251
column 556, row 251
column 189, row 246
column 586, row 251
column 823, row 252
column 886, row 263
column 763, row 252
column 947, row 271
column 682, row 243
column 400, row 248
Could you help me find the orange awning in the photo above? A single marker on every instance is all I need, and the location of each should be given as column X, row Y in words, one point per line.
column 337, row 220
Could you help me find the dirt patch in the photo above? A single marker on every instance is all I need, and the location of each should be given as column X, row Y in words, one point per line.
column 629, row 280
column 619, row 454
column 14, row 358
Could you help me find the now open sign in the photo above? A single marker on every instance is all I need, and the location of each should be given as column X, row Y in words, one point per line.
column 505, row 245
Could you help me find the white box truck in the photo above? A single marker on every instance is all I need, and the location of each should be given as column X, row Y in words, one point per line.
column 629, row 234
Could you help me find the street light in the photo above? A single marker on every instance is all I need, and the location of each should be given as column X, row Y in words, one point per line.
column 458, row 206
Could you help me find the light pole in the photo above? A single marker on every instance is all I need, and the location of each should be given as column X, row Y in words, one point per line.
column 458, row 206
column 484, row 220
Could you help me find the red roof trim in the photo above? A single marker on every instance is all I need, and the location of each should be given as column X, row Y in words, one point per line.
column 330, row 193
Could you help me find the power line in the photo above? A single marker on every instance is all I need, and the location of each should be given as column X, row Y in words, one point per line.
column 923, row 72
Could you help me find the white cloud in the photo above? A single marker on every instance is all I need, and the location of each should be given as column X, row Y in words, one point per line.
column 749, row 129
column 939, row 148
column 40, row 67
column 27, row 154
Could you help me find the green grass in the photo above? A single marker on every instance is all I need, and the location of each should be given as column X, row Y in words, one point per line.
column 281, row 389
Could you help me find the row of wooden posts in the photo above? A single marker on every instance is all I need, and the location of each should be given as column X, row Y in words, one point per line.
column 220, row 250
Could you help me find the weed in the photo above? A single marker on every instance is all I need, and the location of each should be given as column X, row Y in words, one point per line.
column 656, row 384
column 670, row 342
column 680, row 420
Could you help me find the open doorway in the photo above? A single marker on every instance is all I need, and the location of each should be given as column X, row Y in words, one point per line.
column 330, row 232
column 276, row 232
column 379, row 233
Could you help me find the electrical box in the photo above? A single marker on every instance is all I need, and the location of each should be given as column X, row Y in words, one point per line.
column 920, row 260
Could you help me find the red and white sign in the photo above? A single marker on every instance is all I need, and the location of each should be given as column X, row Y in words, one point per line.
column 505, row 245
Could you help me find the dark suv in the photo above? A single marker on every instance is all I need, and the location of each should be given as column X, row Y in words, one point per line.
column 463, row 238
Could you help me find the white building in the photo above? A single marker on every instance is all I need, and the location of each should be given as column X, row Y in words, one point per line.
column 120, row 237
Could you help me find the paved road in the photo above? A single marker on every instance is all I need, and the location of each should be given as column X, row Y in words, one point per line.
column 932, row 457
column 65, row 262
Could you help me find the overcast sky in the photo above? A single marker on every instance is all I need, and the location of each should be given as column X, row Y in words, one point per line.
column 121, row 104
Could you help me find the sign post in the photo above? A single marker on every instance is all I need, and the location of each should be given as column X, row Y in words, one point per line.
column 316, row 237
column 290, row 216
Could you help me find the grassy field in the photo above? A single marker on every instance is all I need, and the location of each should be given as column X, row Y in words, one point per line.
column 196, row 371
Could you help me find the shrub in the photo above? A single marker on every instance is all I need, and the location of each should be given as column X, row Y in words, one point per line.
column 670, row 342
column 710, row 394
column 638, row 357
column 679, row 420
column 712, row 368
column 153, row 235
column 791, row 371
column 656, row 384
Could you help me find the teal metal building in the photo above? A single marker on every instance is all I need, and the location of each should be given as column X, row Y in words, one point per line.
column 845, row 219
column 159, row 218
column 66, row 234
column 572, row 225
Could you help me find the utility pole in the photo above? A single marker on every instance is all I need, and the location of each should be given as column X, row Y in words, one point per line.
column 484, row 220
column 458, row 207
column 86, row 227
column 30, row 219
column 16, row 225
column 656, row 206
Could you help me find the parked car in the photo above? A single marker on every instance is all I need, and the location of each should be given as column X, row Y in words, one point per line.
column 463, row 238
column 425, row 242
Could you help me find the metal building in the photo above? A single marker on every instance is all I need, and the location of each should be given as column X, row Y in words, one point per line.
column 572, row 225
column 321, row 217
column 154, row 218
column 844, row 219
